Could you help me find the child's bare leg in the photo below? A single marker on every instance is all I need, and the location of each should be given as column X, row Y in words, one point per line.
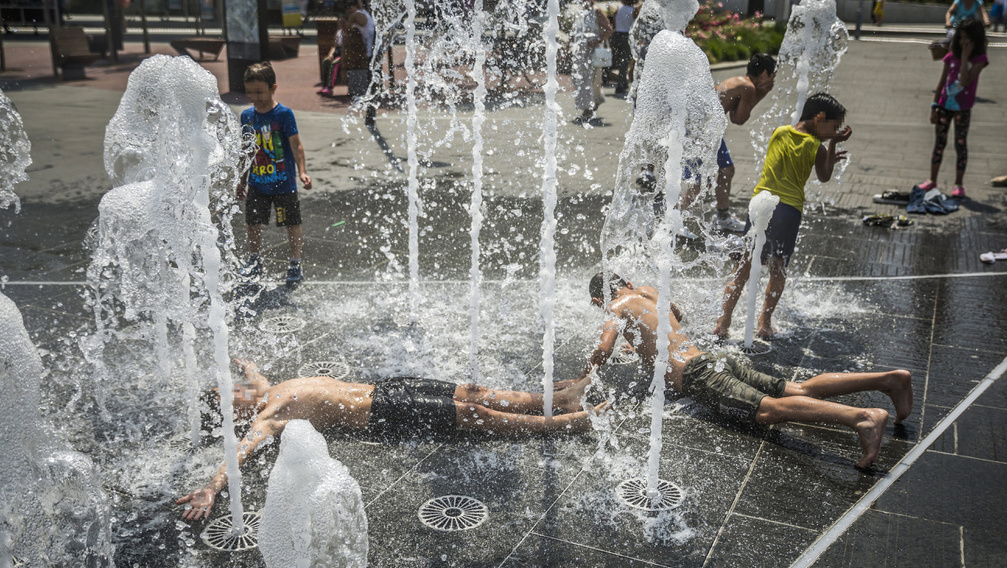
column 777, row 281
column 478, row 417
column 519, row 402
column 868, row 423
column 254, row 239
column 731, row 296
column 689, row 196
column 898, row 385
column 295, row 237
column 723, row 190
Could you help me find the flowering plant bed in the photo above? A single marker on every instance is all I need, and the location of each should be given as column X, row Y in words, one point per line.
column 725, row 36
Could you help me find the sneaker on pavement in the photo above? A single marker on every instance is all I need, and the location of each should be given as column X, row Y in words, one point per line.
column 958, row 192
column 252, row 268
column 729, row 224
column 294, row 274
column 687, row 234
column 927, row 185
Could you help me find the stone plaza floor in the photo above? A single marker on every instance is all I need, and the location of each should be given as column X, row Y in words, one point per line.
column 860, row 298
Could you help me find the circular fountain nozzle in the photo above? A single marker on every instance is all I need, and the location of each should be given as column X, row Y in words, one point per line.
column 757, row 348
column 220, row 533
column 335, row 369
column 282, row 324
column 453, row 513
column 633, row 492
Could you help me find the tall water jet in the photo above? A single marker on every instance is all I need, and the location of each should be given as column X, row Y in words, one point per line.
column 314, row 513
column 678, row 121
column 53, row 510
column 15, row 153
column 176, row 152
column 547, row 258
column 413, row 161
column 475, row 206
column 760, row 211
column 812, row 47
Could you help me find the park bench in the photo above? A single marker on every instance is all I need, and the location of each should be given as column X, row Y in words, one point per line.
column 284, row 47
column 71, row 51
column 201, row 44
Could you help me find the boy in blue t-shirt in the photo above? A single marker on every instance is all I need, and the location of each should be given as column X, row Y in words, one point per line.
column 272, row 181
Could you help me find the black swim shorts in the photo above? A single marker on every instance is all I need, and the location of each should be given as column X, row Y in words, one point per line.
column 407, row 406
column 734, row 389
column 258, row 204
column 781, row 234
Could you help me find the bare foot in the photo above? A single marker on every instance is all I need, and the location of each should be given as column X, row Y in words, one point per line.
column 766, row 332
column 870, row 429
column 723, row 327
column 568, row 399
column 579, row 421
column 901, row 394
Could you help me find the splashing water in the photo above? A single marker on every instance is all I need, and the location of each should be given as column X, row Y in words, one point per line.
column 15, row 153
column 679, row 118
column 813, row 45
column 547, row 258
column 175, row 150
column 760, row 211
column 314, row 513
column 52, row 507
column 475, row 206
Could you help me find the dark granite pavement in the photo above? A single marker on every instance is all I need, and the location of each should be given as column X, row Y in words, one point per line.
column 860, row 298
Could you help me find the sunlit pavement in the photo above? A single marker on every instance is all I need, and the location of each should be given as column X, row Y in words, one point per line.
column 860, row 297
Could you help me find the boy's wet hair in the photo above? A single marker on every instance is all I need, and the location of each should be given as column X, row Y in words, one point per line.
column 976, row 31
column 760, row 62
column 823, row 103
column 261, row 72
column 596, row 287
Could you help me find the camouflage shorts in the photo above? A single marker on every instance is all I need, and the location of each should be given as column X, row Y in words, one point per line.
column 734, row 390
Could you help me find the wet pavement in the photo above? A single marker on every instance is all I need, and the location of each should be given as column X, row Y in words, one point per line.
column 860, row 298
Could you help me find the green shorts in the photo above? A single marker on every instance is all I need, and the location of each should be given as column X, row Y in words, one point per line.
column 735, row 390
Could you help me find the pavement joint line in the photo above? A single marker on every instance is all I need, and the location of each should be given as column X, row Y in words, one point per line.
column 737, row 497
column 774, row 522
column 930, row 358
column 815, row 551
column 529, row 281
column 595, row 548
column 984, row 460
column 401, row 477
column 914, row 517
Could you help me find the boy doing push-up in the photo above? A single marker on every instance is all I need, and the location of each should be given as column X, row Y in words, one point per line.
column 735, row 388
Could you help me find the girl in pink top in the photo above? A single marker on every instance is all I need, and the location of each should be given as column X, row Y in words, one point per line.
column 956, row 93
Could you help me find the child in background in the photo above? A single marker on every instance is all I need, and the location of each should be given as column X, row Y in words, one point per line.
column 272, row 181
column 955, row 95
column 792, row 153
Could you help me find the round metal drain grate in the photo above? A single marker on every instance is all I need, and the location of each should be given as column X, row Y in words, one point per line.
column 282, row 324
column 453, row 513
column 218, row 534
column 334, row 369
column 633, row 492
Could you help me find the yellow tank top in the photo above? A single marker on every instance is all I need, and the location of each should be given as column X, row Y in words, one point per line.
column 789, row 161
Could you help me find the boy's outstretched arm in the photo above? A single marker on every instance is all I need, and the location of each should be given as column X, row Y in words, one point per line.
column 298, row 148
column 606, row 345
column 825, row 160
column 202, row 500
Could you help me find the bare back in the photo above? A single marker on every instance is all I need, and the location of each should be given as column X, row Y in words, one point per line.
column 737, row 96
column 323, row 401
column 638, row 311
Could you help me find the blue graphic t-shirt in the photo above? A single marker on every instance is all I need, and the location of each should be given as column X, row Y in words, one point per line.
column 274, row 170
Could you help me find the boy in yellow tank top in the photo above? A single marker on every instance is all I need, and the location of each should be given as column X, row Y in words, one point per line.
column 792, row 153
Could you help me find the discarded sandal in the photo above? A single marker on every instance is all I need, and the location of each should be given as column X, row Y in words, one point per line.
column 892, row 198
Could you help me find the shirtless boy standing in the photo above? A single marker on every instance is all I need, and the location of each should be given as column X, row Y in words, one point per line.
column 737, row 389
column 738, row 96
column 400, row 405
